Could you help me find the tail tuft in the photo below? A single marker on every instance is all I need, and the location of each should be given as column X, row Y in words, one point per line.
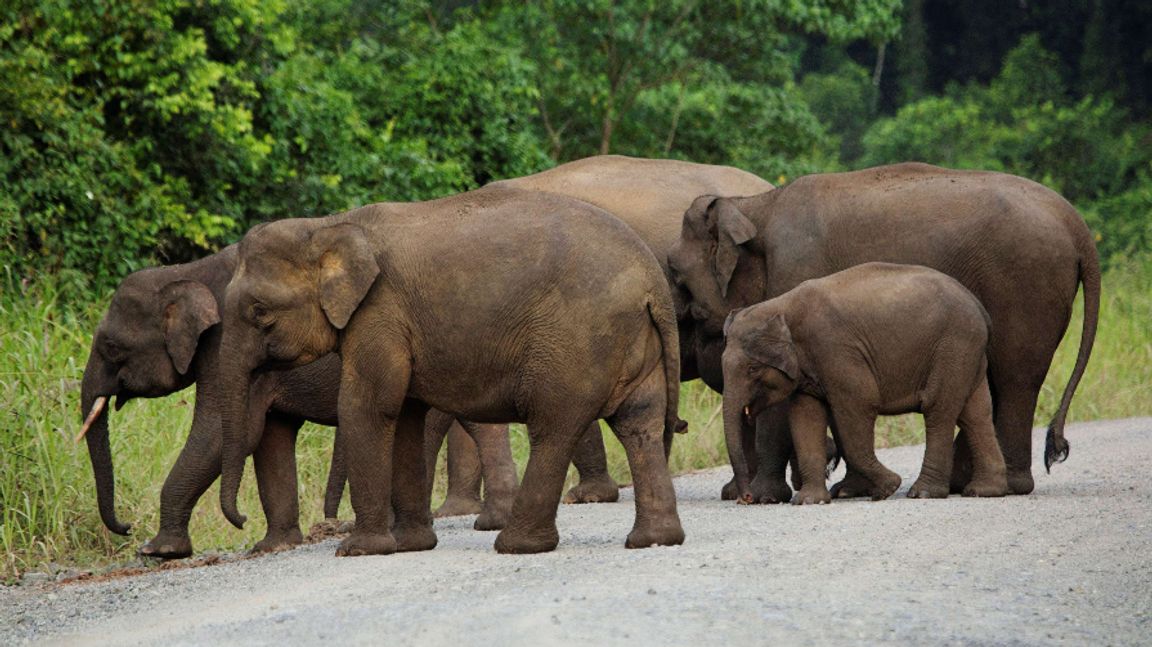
column 1055, row 449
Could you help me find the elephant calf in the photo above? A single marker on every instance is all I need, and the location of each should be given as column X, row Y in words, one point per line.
column 874, row 339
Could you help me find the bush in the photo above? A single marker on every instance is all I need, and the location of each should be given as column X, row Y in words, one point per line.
column 1021, row 123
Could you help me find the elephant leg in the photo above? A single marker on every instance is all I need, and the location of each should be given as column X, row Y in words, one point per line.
column 197, row 467
column 1015, row 408
column 856, row 435
column 596, row 485
column 807, row 421
column 748, row 442
column 773, row 447
column 936, row 469
column 337, row 476
column 989, row 473
column 499, row 469
column 411, row 496
column 275, row 463
column 436, row 424
column 961, row 462
column 464, row 473
column 639, row 424
column 532, row 525
column 1026, row 331
column 369, row 414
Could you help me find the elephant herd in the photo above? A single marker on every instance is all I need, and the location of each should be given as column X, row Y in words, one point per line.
column 589, row 292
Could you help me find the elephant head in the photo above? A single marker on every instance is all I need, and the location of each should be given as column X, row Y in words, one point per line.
column 710, row 263
column 761, row 369
column 143, row 347
column 296, row 286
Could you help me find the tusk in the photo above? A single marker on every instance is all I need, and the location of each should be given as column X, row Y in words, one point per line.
column 97, row 409
column 747, row 412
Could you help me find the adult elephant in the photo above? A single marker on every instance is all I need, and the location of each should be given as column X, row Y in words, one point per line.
column 160, row 334
column 1017, row 245
column 131, row 358
column 568, row 319
column 650, row 195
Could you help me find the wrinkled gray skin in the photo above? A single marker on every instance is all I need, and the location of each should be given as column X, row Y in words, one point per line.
column 1015, row 244
column 651, row 197
column 160, row 334
column 874, row 339
column 568, row 320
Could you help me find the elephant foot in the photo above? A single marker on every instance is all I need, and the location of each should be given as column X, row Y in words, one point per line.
column 853, row 485
column 278, row 541
column 455, row 506
column 366, row 543
column 885, row 486
column 961, row 475
column 928, row 490
column 812, row 496
column 765, row 489
column 730, row 491
column 328, row 529
column 987, row 486
column 667, row 533
column 511, row 542
column 167, row 546
column 493, row 517
column 1020, row 481
column 414, row 538
column 597, row 489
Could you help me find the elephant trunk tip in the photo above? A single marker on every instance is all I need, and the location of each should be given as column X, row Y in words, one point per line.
column 1056, row 447
column 232, row 513
column 115, row 525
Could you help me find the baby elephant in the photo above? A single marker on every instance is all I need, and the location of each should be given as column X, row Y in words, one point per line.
column 875, row 339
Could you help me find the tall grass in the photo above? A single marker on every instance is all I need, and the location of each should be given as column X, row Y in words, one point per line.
column 47, row 498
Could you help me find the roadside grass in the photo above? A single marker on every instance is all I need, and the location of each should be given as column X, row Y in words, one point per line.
column 47, row 499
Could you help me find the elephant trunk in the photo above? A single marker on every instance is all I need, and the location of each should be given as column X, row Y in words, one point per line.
column 96, row 388
column 237, row 364
column 735, row 404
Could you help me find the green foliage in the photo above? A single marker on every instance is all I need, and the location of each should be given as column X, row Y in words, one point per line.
column 160, row 130
column 1024, row 123
column 625, row 79
column 844, row 100
column 1123, row 222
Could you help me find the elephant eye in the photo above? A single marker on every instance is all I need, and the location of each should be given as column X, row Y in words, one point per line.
column 112, row 351
column 260, row 315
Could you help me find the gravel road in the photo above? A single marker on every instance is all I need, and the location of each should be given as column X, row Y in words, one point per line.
column 1069, row 564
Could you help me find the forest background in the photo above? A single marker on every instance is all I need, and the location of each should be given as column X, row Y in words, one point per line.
column 135, row 133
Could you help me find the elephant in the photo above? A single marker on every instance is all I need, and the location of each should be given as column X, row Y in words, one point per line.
column 1015, row 244
column 569, row 319
column 160, row 334
column 874, row 339
column 650, row 195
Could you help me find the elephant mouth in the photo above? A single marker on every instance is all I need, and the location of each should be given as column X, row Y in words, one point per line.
column 753, row 408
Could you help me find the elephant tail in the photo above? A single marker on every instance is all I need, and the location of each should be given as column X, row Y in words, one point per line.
column 1056, row 446
column 664, row 318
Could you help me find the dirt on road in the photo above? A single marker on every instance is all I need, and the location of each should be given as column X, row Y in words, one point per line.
column 1069, row 564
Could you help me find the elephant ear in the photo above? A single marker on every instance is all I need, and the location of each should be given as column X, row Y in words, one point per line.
column 189, row 309
column 730, row 319
column 733, row 229
column 771, row 344
column 348, row 269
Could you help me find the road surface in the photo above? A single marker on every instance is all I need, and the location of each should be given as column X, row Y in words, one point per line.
column 1069, row 564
